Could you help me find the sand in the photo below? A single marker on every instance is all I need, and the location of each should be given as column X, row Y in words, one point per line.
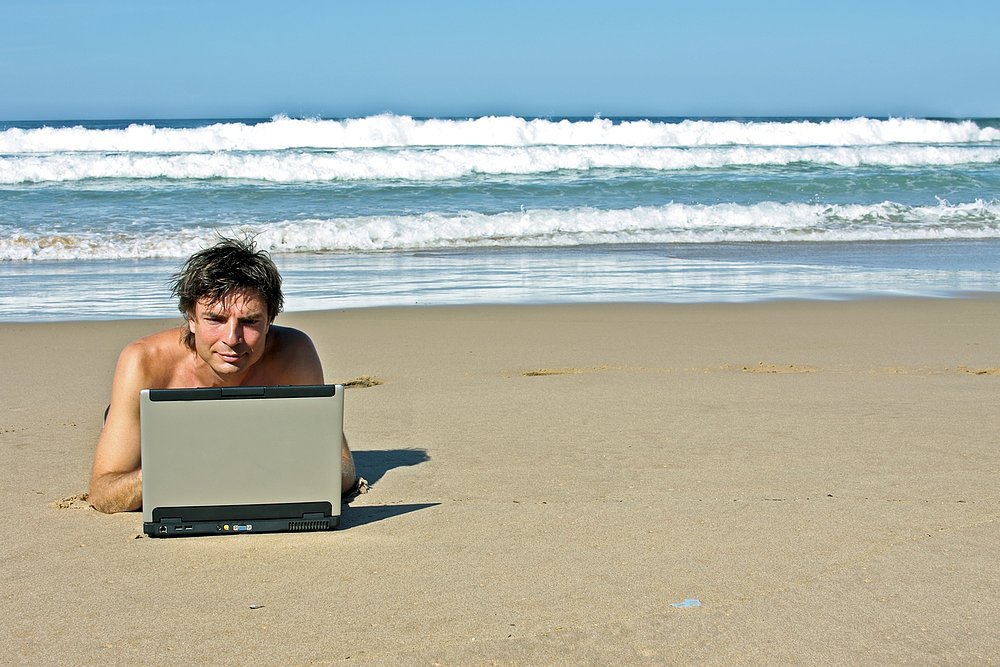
column 547, row 482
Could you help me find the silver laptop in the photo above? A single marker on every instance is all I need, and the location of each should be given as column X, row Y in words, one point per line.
column 233, row 460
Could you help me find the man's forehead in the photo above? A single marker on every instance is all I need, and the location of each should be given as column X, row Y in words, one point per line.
column 246, row 300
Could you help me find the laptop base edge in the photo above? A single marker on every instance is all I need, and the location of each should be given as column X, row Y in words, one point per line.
column 239, row 519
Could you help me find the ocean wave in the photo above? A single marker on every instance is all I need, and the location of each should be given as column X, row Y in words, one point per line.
column 282, row 133
column 671, row 223
column 297, row 166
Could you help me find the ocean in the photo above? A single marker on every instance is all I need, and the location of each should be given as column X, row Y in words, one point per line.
column 394, row 210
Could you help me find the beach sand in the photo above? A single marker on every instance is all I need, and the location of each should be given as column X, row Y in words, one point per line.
column 546, row 483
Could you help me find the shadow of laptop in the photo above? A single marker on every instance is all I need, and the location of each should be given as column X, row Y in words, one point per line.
column 359, row 515
column 373, row 464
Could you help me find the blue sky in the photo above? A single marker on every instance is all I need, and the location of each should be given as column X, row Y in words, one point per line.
column 213, row 58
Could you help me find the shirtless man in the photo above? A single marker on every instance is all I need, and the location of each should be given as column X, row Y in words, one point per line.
column 229, row 294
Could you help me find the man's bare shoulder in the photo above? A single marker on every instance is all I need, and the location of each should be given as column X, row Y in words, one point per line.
column 291, row 358
column 155, row 358
column 287, row 338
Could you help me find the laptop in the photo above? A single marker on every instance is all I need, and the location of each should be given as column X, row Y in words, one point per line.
column 232, row 460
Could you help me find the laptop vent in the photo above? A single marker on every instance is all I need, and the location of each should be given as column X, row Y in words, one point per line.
column 323, row 524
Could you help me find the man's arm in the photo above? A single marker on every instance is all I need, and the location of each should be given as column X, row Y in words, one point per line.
column 116, row 477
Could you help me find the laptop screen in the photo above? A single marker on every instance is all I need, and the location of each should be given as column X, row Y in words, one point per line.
column 239, row 456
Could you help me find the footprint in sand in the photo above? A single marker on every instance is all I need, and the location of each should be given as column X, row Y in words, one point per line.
column 77, row 501
column 362, row 382
column 763, row 367
column 540, row 372
column 979, row 371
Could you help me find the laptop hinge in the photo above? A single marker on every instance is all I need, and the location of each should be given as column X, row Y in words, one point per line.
column 242, row 392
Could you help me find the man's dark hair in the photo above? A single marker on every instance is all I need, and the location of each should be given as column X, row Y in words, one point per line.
column 229, row 266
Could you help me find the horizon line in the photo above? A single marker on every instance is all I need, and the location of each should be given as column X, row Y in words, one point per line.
column 570, row 117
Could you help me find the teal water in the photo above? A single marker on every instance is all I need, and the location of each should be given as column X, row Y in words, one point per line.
column 393, row 210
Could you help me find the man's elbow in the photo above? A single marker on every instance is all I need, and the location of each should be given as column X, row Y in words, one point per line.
column 100, row 501
column 113, row 493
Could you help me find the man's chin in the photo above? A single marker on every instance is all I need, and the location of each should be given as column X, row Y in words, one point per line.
column 230, row 367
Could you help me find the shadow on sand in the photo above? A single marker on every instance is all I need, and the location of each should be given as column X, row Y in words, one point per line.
column 373, row 465
column 360, row 515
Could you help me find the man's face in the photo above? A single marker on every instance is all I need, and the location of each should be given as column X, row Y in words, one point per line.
column 229, row 334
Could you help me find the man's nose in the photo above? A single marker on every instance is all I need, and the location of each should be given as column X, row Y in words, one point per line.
column 234, row 332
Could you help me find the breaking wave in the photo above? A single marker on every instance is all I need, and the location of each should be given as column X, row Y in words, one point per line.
column 281, row 133
column 671, row 223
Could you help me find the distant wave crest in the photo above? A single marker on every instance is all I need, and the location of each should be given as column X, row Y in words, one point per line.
column 388, row 131
column 345, row 165
column 671, row 223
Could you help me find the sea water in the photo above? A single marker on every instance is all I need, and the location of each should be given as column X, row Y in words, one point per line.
column 393, row 210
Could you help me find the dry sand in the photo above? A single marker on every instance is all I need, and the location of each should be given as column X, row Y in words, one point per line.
column 547, row 482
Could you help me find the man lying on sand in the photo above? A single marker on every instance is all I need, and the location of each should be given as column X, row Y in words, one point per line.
column 230, row 294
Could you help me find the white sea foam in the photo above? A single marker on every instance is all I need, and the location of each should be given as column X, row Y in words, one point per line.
column 291, row 166
column 672, row 223
column 382, row 131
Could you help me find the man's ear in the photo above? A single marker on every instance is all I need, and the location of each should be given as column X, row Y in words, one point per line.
column 190, row 323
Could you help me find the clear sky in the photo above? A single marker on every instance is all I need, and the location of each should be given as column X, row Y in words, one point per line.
column 70, row 59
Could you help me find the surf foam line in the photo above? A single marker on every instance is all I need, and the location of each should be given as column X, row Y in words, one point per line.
column 671, row 223
column 388, row 130
column 347, row 165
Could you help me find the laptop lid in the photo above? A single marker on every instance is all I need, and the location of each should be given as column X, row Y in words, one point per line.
column 240, row 459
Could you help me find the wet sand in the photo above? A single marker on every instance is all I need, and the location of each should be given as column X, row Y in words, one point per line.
column 546, row 483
